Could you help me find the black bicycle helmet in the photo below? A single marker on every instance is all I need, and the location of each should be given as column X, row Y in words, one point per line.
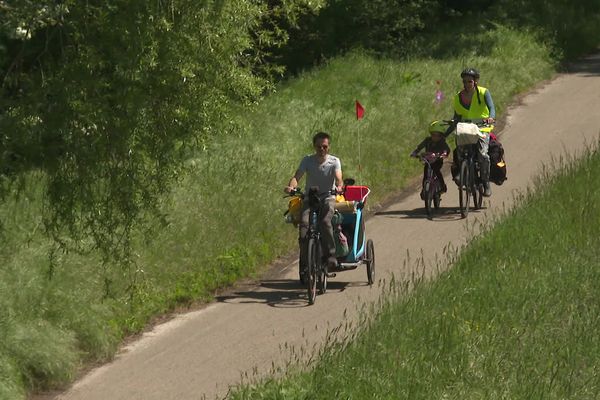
column 470, row 72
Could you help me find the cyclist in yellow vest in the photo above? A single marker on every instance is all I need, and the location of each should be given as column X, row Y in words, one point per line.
column 474, row 103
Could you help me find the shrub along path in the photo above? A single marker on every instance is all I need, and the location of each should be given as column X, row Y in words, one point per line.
column 253, row 328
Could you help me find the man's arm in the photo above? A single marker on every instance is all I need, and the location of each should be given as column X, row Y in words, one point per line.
column 490, row 104
column 293, row 183
column 420, row 147
column 339, row 181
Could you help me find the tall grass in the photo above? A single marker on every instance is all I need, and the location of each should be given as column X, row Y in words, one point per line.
column 516, row 317
column 225, row 219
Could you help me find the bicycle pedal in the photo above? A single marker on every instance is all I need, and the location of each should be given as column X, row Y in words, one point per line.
column 330, row 274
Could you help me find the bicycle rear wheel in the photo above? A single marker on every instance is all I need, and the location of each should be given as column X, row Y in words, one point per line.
column 312, row 268
column 464, row 192
column 476, row 186
column 477, row 196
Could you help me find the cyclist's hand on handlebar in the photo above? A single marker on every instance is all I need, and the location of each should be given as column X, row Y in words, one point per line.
column 489, row 120
column 289, row 190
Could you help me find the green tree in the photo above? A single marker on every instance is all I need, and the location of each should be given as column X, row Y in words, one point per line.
column 105, row 98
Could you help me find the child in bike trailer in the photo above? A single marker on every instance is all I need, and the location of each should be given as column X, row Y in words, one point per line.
column 435, row 143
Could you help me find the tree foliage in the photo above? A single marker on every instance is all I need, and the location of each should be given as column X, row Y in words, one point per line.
column 570, row 26
column 105, row 96
column 381, row 26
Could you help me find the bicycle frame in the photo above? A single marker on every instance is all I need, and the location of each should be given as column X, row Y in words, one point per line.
column 431, row 178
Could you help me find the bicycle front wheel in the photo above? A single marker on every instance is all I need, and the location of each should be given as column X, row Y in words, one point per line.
column 427, row 189
column 464, row 191
column 437, row 198
column 312, row 269
column 321, row 275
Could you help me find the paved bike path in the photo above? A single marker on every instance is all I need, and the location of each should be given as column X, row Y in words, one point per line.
column 253, row 328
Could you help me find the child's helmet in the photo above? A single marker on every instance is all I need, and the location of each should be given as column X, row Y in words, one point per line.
column 438, row 127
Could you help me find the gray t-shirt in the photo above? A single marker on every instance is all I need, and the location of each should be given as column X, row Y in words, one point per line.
column 320, row 175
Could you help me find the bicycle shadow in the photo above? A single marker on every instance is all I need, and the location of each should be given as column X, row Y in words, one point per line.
column 442, row 214
column 279, row 293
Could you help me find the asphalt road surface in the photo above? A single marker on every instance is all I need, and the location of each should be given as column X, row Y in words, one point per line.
column 252, row 328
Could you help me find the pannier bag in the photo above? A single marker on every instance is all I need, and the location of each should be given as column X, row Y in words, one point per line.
column 467, row 133
column 294, row 211
column 497, row 163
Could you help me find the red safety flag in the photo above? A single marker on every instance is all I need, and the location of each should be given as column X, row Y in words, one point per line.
column 360, row 110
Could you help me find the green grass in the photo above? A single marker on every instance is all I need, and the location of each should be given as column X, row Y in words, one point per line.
column 224, row 221
column 515, row 318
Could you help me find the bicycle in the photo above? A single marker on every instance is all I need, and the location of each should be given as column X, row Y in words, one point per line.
column 432, row 190
column 316, row 273
column 469, row 181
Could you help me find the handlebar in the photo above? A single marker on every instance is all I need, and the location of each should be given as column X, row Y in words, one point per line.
column 430, row 157
column 298, row 192
column 479, row 122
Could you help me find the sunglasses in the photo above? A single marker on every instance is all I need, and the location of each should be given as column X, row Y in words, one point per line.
column 323, row 146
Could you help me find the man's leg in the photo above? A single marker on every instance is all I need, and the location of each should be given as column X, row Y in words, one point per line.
column 484, row 164
column 455, row 168
column 303, row 240
column 327, row 241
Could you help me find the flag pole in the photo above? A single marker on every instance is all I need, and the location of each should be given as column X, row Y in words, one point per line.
column 360, row 113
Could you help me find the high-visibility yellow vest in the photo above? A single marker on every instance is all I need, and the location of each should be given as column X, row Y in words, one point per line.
column 477, row 110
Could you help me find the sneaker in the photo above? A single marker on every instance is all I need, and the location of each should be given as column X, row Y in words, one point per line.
column 487, row 189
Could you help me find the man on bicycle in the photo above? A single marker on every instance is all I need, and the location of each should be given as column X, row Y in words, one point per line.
column 474, row 103
column 323, row 171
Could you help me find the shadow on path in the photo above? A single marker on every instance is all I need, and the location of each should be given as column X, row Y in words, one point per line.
column 443, row 214
column 280, row 293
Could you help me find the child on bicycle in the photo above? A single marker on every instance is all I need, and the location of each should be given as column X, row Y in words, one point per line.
column 435, row 143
